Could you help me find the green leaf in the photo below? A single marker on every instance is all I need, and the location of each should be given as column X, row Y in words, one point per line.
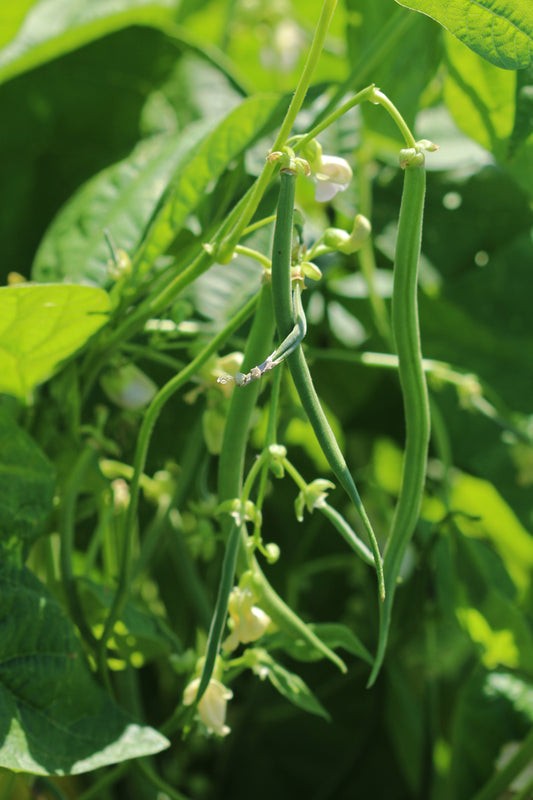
column 212, row 156
column 27, row 485
column 55, row 718
column 11, row 17
column 40, row 326
column 334, row 635
column 485, row 514
column 291, row 686
column 499, row 30
column 54, row 27
column 140, row 635
column 406, row 67
column 492, row 710
column 121, row 198
column 481, row 97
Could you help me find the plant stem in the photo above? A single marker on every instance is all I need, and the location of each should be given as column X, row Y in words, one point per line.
column 143, row 441
column 68, row 513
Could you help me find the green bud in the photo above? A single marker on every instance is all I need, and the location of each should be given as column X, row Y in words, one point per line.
column 128, row 387
column 312, row 152
column 311, row 270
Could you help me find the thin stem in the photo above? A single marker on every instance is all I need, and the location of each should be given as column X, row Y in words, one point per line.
column 373, row 55
column 68, row 514
column 326, row 15
column 259, row 257
column 328, row 9
column 360, row 97
column 94, row 792
column 143, row 441
column 379, row 97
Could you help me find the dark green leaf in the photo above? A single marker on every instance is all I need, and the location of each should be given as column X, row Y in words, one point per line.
column 492, row 710
column 332, row 634
column 139, row 636
column 27, row 485
column 290, row 685
column 55, row 719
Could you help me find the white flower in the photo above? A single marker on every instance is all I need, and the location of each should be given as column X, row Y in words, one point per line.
column 248, row 622
column 212, row 706
column 333, row 174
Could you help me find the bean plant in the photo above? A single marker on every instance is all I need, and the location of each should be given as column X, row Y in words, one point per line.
column 265, row 399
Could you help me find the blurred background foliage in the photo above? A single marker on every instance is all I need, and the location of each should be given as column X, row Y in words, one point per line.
column 100, row 105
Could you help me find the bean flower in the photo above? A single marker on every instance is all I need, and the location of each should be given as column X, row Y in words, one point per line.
column 212, row 706
column 332, row 174
column 248, row 622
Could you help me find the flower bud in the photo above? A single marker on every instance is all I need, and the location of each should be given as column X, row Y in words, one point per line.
column 128, row 387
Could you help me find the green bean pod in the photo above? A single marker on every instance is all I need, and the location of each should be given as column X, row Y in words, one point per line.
column 283, row 310
column 414, row 390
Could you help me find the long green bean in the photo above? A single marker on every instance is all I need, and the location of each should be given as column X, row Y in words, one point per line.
column 283, row 309
column 413, row 384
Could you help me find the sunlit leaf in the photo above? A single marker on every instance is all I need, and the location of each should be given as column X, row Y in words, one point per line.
column 480, row 96
column 54, row 27
column 120, row 199
column 41, row 326
column 212, row 155
column 499, row 30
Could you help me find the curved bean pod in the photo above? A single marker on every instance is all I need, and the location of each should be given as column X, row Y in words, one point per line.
column 414, row 390
column 283, row 310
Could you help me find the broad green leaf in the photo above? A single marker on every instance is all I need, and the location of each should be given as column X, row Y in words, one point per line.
column 41, row 326
column 54, row 27
column 288, row 684
column 55, row 720
column 212, row 156
column 27, row 485
column 499, row 30
column 121, row 199
column 480, row 97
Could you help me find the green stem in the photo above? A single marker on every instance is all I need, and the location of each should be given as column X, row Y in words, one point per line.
column 372, row 56
column 383, row 100
column 326, row 15
column 413, row 384
column 358, row 98
column 68, row 514
column 283, row 308
column 143, row 441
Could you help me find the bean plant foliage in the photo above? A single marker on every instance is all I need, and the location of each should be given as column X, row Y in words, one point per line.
column 266, row 423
